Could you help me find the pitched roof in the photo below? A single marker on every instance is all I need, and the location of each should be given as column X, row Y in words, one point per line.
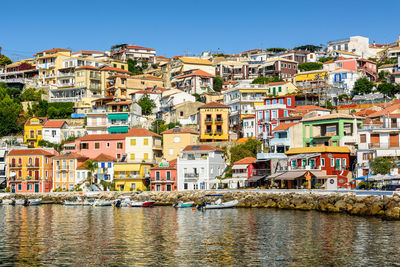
column 333, row 116
column 102, row 137
column 179, row 130
column 364, row 112
column 115, row 103
column 214, row 105
column 70, row 155
column 385, row 111
column 114, row 69
column 202, row 148
column 319, row 149
column 247, row 160
column 54, row 50
column 140, row 47
column 87, row 52
column 243, row 140
column 144, row 92
column 27, row 152
column 346, row 53
column 42, row 121
column 284, row 126
column 141, row 132
column 87, row 67
column 104, row 157
column 277, row 83
column 190, row 60
column 197, row 73
column 310, row 107
column 252, row 116
column 54, row 124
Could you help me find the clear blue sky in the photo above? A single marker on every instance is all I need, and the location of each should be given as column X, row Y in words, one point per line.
column 174, row 27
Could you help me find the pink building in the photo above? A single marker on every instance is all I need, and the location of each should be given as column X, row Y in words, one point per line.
column 366, row 66
column 93, row 145
column 163, row 178
column 242, row 170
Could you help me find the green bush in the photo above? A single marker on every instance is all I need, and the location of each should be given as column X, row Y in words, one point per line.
column 8, row 189
column 317, row 185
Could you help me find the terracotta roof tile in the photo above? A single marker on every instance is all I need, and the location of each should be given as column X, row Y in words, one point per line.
column 102, row 137
column 247, row 160
column 27, row 152
column 385, row 111
column 179, row 130
column 140, row 47
column 197, row 73
column 310, row 107
column 54, row 50
column 87, row 52
column 214, row 105
column 364, row 112
column 333, row 116
column 104, row 157
column 202, row 148
column 141, row 132
column 284, row 126
column 54, row 124
column 70, row 155
column 114, row 69
column 87, row 67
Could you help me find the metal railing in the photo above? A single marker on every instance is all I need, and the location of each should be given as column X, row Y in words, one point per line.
column 191, row 175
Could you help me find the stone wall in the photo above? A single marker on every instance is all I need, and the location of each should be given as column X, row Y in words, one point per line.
column 387, row 207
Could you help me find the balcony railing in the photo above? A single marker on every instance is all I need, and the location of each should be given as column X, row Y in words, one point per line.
column 208, row 120
column 382, row 146
column 219, row 120
column 191, row 175
column 32, row 165
column 65, row 74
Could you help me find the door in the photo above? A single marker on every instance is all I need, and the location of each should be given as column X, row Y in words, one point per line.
column 375, row 140
column 394, row 140
column 36, row 188
column 13, row 188
column 36, row 162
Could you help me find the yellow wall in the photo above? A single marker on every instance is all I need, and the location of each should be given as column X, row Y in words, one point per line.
column 24, row 168
column 203, row 124
column 59, row 57
column 38, row 133
column 92, row 80
column 138, row 146
column 119, row 64
column 171, row 144
column 309, row 76
column 144, row 170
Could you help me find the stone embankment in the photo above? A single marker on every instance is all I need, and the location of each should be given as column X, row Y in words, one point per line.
column 387, row 207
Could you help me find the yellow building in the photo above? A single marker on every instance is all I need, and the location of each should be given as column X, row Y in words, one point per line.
column 48, row 64
column 214, row 122
column 132, row 176
column 309, row 79
column 176, row 139
column 123, row 85
column 33, row 131
column 30, row 170
column 119, row 64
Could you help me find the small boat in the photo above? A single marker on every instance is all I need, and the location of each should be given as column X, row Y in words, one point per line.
column 102, row 202
column 23, row 202
column 8, row 202
column 78, row 202
column 181, row 204
column 147, row 203
column 217, row 204
column 34, row 202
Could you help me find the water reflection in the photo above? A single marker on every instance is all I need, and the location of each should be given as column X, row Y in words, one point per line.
column 58, row 235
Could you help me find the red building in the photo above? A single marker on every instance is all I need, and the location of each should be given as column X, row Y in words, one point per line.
column 164, row 177
column 324, row 161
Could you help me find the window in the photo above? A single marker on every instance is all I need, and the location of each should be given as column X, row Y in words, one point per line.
column 71, row 175
column 133, row 142
column 39, row 132
column 289, row 101
column 158, row 187
column 181, row 113
column 84, row 146
column 19, row 187
column 157, row 176
column 285, row 113
column 168, row 175
column 108, row 145
column 294, row 163
column 322, row 162
column 146, row 142
column 96, row 145
column 71, row 164
column 280, row 100
column 344, row 163
column 268, row 102
column 29, row 187
column 177, row 139
column 168, row 187
column 332, row 162
column 185, row 186
column 119, row 145
column 363, row 138
column 133, row 186
column 132, row 156
column 146, row 156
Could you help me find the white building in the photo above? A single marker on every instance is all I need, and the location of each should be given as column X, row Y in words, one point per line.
column 3, row 178
column 52, row 131
column 355, row 44
column 174, row 97
column 344, row 79
column 249, row 126
column 199, row 166
column 155, row 96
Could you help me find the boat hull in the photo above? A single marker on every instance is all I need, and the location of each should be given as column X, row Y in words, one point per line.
column 226, row 205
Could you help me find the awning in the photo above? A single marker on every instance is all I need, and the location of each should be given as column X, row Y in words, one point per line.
column 118, row 129
column 292, row 175
column 273, row 176
column 304, row 156
column 127, row 167
column 239, row 167
column 255, row 179
column 123, row 116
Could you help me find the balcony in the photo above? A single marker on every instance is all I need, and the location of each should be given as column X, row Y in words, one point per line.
column 208, row 120
column 19, row 165
column 31, row 137
column 46, row 65
column 49, row 76
column 219, row 120
column 97, row 78
column 65, row 74
column 218, row 132
column 32, row 165
column 191, row 175
column 65, row 84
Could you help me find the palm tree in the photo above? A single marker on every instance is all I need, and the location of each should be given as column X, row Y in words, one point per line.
column 91, row 165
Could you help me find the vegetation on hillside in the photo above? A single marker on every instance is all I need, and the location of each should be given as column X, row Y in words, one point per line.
column 381, row 165
column 266, row 80
column 147, row 104
column 217, row 83
column 4, row 60
column 248, row 149
column 308, row 66
column 10, row 110
column 309, row 48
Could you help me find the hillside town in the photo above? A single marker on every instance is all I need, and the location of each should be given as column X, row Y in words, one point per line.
column 129, row 119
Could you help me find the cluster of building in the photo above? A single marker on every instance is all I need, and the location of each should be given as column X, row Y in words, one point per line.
column 303, row 143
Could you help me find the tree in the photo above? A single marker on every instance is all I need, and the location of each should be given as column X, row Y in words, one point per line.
column 4, row 60
column 324, row 59
column 134, row 67
column 363, row 86
column 248, row 149
column 266, row 80
column 91, row 165
column 10, row 109
column 217, row 83
column 158, row 126
column 381, row 165
column 276, row 50
column 382, row 75
column 147, row 104
column 310, row 48
column 307, row 66
column 388, row 89
column 31, row 94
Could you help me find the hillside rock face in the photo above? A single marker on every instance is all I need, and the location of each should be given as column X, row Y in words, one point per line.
column 387, row 207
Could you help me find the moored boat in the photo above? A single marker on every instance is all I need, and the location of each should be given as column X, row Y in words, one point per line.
column 102, row 202
column 34, row 202
column 217, row 204
column 181, row 204
column 147, row 203
column 23, row 202
column 8, row 202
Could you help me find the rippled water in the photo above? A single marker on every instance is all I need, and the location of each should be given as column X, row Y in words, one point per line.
column 163, row 236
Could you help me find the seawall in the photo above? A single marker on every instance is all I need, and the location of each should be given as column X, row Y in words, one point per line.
column 387, row 207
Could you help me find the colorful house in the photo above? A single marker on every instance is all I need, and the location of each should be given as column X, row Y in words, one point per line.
column 66, row 172
column 163, row 177
column 30, row 170
column 176, row 139
column 143, row 145
column 131, row 176
column 53, row 131
column 105, row 167
column 241, row 171
column 33, row 131
column 214, row 122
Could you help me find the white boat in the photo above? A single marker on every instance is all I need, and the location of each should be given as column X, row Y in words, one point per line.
column 181, row 204
column 102, row 202
column 8, row 202
column 23, row 202
column 217, row 204
column 147, row 203
column 78, row 202
column 34, row 202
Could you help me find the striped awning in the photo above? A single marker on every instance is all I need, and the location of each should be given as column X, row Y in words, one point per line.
column 126, row 167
